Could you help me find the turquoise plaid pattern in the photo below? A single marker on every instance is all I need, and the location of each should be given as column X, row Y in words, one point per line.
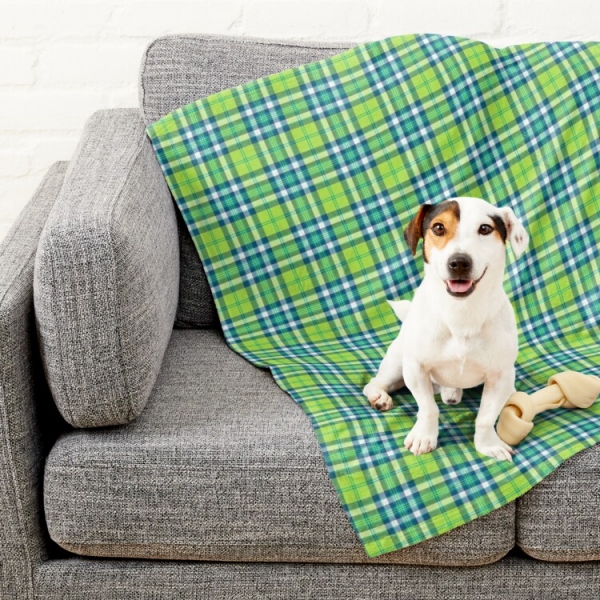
column 296, row 189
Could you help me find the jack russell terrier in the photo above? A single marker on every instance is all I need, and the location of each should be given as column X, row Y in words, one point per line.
column 459, row 331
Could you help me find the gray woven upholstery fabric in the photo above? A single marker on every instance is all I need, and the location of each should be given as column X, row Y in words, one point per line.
column 107, row 275
column 24, row 398
column 179, row 69
column 512, row 578
column 221, row 465
column 196, row 308
column 559, row 518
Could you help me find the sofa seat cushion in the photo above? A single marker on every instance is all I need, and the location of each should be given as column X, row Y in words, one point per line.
column 221, row 465
column 559, row 518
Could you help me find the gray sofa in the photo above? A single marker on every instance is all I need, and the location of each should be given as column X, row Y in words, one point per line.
column 141, row 458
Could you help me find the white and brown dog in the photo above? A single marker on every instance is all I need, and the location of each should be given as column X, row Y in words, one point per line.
column 459, row 331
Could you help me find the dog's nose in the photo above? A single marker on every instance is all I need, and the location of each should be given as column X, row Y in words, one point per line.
column 460, row 265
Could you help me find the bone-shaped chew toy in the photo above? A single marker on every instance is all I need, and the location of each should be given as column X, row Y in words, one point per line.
column 569, row 390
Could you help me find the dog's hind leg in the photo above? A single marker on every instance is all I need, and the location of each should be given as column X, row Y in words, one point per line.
column 451, row 395
column 388, row 378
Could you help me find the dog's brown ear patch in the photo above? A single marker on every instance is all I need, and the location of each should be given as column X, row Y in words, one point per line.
column 414, row 232
column 500, row 227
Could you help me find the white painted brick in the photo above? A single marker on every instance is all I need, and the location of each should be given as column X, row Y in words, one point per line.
column 335, row 20
column 543, row 20
column 47, row 151
column 28, row 153
column 15, row 194
column 4, row 227
column 13, row 164
column 53, row 18
column 49, row 110
column 103, row 63
column 465, row 18
column 126, row 97
column 160, row 18
column 17, row 65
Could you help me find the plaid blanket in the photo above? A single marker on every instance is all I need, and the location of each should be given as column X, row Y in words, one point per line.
column 296, row 189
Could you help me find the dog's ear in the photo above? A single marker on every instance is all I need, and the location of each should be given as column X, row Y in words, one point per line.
column 515, row 232
column 414, row 232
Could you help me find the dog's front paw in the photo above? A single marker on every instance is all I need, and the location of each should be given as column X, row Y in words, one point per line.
column 487, row 442
column 422, row 438
column 377, row 397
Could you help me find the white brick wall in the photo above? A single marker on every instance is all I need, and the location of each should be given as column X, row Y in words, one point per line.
column 60, row 60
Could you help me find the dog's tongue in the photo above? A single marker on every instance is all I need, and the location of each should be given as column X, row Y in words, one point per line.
column 458, row 286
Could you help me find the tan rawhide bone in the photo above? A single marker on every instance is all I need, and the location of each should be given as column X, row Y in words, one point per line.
column 569, row 390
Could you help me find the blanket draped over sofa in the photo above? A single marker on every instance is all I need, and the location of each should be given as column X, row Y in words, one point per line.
column 296, row 189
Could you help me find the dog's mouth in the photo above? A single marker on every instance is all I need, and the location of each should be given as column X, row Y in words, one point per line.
column 461, row 288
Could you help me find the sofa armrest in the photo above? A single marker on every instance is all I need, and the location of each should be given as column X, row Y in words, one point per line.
column 106, row 280
column 25, row 404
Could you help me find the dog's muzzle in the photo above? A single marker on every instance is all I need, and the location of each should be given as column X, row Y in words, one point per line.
column 460, row 284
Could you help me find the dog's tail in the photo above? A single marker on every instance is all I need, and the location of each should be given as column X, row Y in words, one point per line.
column 400, row 307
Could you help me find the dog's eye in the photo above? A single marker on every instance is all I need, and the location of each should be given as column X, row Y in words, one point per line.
column 438, row 229
column 486, row 229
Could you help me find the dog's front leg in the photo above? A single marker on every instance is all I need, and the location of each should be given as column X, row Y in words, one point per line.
column 423, row 436
column 496, row 391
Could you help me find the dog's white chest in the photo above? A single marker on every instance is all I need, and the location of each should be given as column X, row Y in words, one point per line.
column 460, row 363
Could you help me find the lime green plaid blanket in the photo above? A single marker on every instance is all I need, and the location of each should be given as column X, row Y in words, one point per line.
column 296, row 188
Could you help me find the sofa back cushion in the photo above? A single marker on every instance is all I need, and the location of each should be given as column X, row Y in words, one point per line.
column 177, row 70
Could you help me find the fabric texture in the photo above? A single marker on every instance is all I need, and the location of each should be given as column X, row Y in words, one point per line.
column 196, row 307
column 221, row 465
column 179, row 69
column 107, row 275
column 510, row 579
column 558, row 520
column 295, row 188
column 27, row 417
